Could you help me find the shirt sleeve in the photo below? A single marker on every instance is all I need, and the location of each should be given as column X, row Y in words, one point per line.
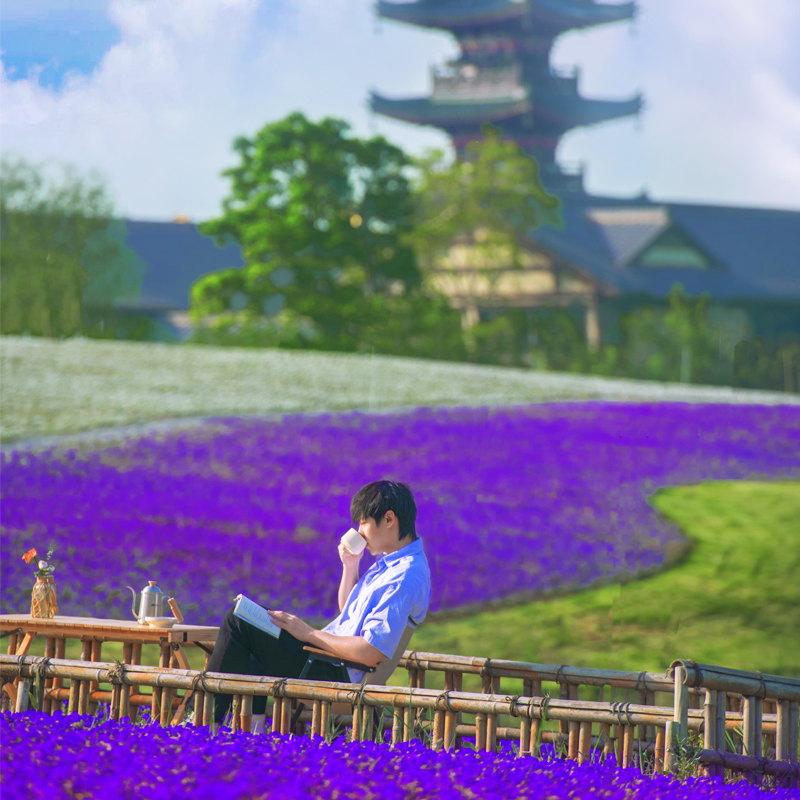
column 384, row 624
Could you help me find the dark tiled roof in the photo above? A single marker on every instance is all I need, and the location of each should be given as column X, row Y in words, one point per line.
column 561, row 14
column 176, row 255
column 758, row 250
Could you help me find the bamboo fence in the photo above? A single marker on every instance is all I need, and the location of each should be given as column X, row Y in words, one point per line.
column 748, row 739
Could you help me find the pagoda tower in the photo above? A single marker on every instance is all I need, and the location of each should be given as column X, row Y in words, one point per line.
column 502, row 75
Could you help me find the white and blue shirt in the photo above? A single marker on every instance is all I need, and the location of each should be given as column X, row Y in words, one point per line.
column 393, row 593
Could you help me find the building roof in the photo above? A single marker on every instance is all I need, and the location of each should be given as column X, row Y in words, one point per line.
column 751, row 254
column 558, row 110
column 559, row 15
column 176, row 255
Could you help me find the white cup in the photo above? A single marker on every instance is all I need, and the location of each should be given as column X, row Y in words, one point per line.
column 354, row 541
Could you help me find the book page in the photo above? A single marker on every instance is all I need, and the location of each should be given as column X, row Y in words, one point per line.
column 253, row 613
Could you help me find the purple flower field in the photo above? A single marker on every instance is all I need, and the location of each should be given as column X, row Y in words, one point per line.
column 70, row 756
column 511, row 500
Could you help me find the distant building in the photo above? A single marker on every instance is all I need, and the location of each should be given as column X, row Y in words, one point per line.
column 613, row 254
column 611, row 257
column 502, row 75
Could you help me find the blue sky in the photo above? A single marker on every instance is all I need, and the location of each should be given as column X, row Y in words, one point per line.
column 152, row 92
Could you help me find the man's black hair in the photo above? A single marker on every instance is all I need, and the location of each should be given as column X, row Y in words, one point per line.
column 378, row 497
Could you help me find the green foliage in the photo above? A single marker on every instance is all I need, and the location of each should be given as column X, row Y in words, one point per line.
column 731, row 601
column 320, row 218
column 62, row 252
column 331, row 233
column 493, row 196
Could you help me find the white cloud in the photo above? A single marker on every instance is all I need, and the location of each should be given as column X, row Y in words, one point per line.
column 719, row 123
column 159, row 113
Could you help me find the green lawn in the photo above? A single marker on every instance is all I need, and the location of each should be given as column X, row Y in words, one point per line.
column 734, row 600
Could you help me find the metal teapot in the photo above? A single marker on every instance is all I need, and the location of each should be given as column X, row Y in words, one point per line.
column 151, row 604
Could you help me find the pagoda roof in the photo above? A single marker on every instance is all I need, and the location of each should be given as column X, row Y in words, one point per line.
column 560, row 111
column 570, row 111
column 560, row 15
column 424, row 111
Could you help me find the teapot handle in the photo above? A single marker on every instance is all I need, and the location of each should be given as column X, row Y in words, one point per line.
column 133, row 603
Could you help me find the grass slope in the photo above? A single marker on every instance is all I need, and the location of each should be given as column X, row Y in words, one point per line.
column 49, row 387
column 734, row 600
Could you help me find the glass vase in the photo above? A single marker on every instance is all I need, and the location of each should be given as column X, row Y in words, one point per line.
column 43, row 598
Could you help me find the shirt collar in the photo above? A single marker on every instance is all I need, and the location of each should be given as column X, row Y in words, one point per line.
column 414, row 548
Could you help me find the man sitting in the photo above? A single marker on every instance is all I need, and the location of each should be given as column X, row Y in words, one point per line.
column 375, row 609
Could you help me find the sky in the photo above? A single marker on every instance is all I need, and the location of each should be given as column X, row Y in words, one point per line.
column 151, row 93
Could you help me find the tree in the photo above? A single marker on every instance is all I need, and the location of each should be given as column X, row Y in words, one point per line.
column 320, row 217
column 61, row 250
column 492, row 198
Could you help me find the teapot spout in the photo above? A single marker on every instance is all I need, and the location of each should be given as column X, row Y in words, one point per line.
column 133, row 603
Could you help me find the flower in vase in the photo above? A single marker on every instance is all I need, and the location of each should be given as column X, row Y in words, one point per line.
column 30, row 555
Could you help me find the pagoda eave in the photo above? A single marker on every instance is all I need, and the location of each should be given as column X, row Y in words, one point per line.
column 566, row 115
column 559, row 15
column 423, row 111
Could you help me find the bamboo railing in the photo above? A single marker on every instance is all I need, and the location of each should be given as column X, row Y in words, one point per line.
column 585, row 726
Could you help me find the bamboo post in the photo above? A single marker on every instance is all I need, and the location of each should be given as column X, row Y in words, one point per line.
column 125, row 689
column 492, row 686
column 710, row 728
column 659, row 765
column 58, row 683
column 355, row 730
column 167, row 693
column 722, row 700
column 208, row 709
column 525, row 747
column 324, row 718
column 23, row 696
column 12, row 644
column 438, row 730
column 236, row 716
column 627, row 751
column 671, row 734
column 83, row 687
column 420, row 685
column 286, row 716
column 136, row 658
column 794, row 735
column 619, row 739
column 563, row 694
column 608, row 743
column 572, row 749
column 247, row 713
column 199, row 708
column 367, row 718
column 458, row 686
column 277, row 709
column 480, row 732
column 49, row 652
column 94, row 686
column 408, row 726
column 450, row 717
column 782, row 731
column 397, row 725
column 316, row 712
column 163, row 663
column 681, row 707
column 585, row 742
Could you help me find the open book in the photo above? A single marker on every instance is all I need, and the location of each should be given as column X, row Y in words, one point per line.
column 256, row 615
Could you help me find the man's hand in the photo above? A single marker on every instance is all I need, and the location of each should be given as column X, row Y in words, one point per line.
column 349, row 561
column 292, row 624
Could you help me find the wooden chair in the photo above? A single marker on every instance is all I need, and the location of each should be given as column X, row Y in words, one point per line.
column 373, row 676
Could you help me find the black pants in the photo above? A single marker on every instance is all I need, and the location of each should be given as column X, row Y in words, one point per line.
column 243, row 649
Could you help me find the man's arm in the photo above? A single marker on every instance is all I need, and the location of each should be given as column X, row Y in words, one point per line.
column 349, row 574
column 353, row 648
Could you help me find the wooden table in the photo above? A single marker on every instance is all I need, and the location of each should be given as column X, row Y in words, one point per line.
column 83, row 696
